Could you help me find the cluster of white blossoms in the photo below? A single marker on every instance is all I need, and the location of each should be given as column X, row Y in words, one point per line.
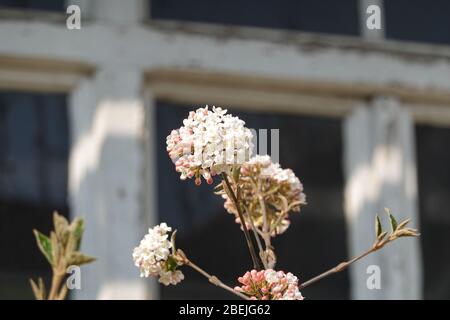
column 209, row 143
column 154, row 257
column 280, row 189
column 266, row 169
column 269, row 285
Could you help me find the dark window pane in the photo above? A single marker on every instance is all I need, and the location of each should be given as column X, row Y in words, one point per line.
column 47, row 5
column 34, row 138
column 418, row 20
column 434, row 190
column 316, row 239
column 328, row 16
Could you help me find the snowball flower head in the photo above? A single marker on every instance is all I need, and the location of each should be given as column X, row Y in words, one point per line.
column 154, row 256
column 279, row 188
column 269, row 285
column 209, row 143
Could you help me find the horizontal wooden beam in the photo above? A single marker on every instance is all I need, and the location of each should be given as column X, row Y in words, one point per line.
column 308, row 40
column 251, row 100
column 296, row 96
column 362, row 91
column 41, row 75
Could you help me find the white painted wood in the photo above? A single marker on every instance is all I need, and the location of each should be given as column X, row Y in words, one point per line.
column 105, row 182
column 380, row 170
column 374, row 34
column 103, row 43
column 119, row 12
column 37, row 81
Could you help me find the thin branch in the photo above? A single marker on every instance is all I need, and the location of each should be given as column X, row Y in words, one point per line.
column 398, row 231
column 62, row 293
column 56, row 283
column 266, row 231
column 253, row 227
column 214, row 280
column 256, row 264
column 256, row 233
column 341, row 266
column 261, row 234
column 282, row 215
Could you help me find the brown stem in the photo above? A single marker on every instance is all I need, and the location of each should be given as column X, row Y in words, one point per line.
column 256, row 264
column 266, row 231
column 56, row 283
column 62, row 293
column 258, row 241
column 282, row 215
column 341, row 266
column 214, row 280
column 254, row 230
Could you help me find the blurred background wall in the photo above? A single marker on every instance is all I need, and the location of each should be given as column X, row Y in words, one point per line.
column 363, row 118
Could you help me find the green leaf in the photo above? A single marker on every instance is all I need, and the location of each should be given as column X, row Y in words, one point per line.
column 382, row 236
column 71, row 244
column 77, row 258
column 77, row 229
column 36, row 290
column 378, row 227
column 408, row 232
column 403, row 224
column 392, row 219
column 42, row 287
column 236, row 174
column 171, row 264
column 55, row 248
column 61, row 227
column 44, row 245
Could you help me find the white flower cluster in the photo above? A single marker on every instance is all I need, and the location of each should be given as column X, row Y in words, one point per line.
column 269, row 170
column 154, row 258
column 284, row 286
column 279, row 188
column 209, row 143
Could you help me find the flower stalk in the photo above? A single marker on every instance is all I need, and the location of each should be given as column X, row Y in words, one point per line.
column 213, row 279
column 397, row 231
column 248, row 239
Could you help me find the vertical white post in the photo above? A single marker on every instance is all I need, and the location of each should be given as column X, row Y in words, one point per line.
column 380, row 172
column 108, row 165
column 106, row 180
column 366, row 33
